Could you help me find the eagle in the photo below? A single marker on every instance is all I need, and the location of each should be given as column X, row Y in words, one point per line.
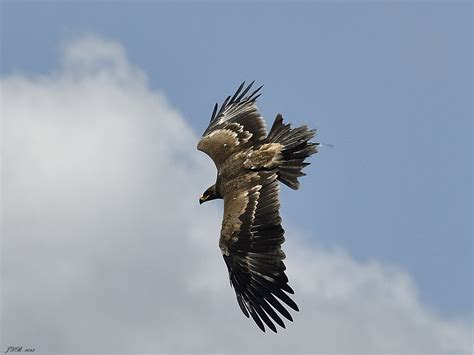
column 250, row 164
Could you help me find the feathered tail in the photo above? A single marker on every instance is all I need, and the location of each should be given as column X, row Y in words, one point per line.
column 296, row 148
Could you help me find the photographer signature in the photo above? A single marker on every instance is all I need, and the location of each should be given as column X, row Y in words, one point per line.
column 19, row 349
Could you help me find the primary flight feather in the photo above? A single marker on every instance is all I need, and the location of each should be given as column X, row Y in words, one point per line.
column 249, row 165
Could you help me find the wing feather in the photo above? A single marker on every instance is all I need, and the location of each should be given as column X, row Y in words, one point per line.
column 251, row 241
column 237, row 124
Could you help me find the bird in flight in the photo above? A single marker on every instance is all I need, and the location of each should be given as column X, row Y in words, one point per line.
column 250, row 163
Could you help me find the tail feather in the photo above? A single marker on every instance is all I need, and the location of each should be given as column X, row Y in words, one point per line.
column 296, row 148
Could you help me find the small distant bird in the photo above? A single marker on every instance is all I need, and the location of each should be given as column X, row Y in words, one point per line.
column 249, row 165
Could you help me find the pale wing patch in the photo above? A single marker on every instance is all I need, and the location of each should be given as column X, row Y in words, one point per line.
column 267, row 156
column 234, row 208
column 222, row 142
column 246, row 135
column 216, row 143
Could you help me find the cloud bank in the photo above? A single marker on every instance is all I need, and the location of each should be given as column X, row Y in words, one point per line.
column 105, row 248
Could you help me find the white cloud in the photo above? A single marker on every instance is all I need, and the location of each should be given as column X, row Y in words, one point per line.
column 106, row 249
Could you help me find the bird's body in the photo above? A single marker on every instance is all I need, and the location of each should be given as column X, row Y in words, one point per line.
column 249, row 165
column 239, row 168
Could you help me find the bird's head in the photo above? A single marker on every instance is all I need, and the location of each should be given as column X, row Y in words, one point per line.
column 210, row 194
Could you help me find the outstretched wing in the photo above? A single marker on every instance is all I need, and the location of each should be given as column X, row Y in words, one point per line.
column 250, row 242
column 235, row 125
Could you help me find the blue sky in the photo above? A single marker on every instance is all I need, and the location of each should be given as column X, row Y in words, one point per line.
column 388, row 84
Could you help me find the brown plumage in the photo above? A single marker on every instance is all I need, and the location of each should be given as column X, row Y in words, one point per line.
column 249, row 165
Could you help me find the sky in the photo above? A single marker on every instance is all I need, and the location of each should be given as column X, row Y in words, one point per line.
column 102, row 106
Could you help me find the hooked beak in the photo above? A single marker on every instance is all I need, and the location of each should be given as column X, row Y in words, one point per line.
column 203, row 199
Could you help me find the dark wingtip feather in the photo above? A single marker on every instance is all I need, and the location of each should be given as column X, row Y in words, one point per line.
column 256, row 97
column 235, row 100
column 263, row 315
column 288, row 289
column 245, row 91
column 242, row 306
column 232, row 100
column 251, row 98
column 214, row 111
column 255, row 317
